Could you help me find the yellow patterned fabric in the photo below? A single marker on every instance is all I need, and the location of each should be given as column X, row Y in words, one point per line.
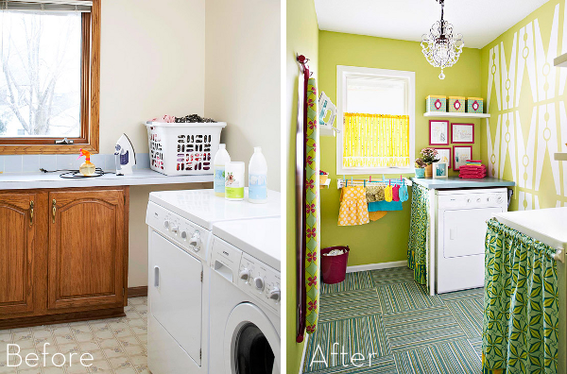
column 375, row 140
column 354, row 208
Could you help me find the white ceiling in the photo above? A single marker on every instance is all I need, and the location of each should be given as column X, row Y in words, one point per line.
column 480, row 21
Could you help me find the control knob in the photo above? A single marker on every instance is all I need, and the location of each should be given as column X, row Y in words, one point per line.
column 174, row 229
column 195, row 241
column 244, row 274
column 274, row 294
column 259, row 283
column 166, row 224
column 184, row 235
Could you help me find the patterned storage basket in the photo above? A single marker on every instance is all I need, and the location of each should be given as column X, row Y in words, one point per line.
column 457, row 104
column 183, row 148
column 475, row 105
column 436, row 103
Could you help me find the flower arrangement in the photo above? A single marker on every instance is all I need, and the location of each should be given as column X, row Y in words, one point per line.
column 420, row 164
column 429, row 155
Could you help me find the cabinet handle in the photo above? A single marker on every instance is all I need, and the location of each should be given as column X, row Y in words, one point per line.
column 31, row 212
column 54, row 209
column 156, row 276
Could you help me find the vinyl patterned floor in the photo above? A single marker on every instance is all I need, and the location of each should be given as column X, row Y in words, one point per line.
column 118, row 345
column 381, row 321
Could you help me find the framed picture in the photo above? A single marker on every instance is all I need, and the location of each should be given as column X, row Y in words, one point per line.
column 438, row 132
column 444, row 155
column 461, row 154
column 440, row 170
column 462, row 133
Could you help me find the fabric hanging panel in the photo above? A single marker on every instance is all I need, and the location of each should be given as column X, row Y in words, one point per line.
column 521, row 301
column 375, row 140
column 312, row 267
column 418, row 240
column 47, row 5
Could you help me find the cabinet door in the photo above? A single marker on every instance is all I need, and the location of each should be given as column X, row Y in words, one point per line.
column 87, row 246
column 17, row 236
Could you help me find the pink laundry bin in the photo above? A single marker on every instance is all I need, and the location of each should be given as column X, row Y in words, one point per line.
column 333, row 268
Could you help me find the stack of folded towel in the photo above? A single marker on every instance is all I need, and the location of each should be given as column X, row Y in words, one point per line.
column 472, row 170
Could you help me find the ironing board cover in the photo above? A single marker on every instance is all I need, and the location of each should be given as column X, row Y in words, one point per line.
column 312, row 231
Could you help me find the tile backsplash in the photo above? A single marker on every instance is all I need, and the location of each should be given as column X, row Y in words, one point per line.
column 32, row 163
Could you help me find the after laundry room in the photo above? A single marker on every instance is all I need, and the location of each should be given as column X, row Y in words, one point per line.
column 426, row 143
column 136, row 140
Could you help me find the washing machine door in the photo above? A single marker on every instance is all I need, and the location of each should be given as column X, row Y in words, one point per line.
column 251, row 342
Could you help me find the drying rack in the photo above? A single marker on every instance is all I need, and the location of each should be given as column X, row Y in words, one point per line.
column 345, row 182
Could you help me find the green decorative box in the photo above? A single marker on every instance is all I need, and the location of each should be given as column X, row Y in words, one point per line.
column 436, row 103
column 457, row 104
column 475, row 105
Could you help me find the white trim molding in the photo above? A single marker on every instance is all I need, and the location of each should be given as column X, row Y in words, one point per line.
column 344, row 72
column 382, row 265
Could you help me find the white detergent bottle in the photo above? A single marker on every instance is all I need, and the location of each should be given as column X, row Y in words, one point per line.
column 221, row 159
column 257, row 177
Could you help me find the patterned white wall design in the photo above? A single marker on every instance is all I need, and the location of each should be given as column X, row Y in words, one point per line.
column 509, row 145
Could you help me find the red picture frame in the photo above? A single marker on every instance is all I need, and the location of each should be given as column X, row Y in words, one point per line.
column 446, row 133
column 450, row 162
column 457, row 164
column 471, row 125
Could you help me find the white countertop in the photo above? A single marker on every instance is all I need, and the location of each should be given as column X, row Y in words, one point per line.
column 204, row 208
column 21, row 181
column 545, row 225
column 260, row 238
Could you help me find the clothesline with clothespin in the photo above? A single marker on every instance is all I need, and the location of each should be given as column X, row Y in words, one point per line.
column 345, row 182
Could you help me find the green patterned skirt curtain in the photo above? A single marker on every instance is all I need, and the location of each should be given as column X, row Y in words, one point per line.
column 419, row 233
column 521, row 316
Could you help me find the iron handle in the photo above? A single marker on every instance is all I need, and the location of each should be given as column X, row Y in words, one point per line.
column 54, row 209
column 31, row 212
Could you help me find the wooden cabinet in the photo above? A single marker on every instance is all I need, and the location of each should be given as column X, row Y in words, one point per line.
column 63, row 255
column 17, row 238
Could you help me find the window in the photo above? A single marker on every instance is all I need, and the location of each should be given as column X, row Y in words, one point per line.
column 376, row 115
column 49, row 77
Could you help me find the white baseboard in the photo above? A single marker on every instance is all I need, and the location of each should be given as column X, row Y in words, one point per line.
column 382, row 265
column 304, row 352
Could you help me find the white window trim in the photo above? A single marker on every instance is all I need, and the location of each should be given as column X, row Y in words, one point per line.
column 343, row 72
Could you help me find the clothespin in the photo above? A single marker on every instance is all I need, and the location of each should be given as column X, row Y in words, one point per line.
column 365, row 183
column 370, row 178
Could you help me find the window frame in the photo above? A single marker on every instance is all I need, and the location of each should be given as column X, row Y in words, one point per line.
column 90, row 99
column 344, row 72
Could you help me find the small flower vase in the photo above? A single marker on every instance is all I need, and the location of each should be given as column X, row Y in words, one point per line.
column 429, row 171
column 419, row 172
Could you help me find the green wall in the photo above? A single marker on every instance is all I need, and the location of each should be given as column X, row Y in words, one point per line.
column 527, row 106
column 386, row 239
column 302, row 38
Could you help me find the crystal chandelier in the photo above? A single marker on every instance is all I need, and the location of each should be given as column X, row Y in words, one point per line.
column 440, row 47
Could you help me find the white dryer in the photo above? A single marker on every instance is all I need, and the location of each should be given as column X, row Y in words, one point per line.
column 461, row 229
column 180, row 224
column 245, row 333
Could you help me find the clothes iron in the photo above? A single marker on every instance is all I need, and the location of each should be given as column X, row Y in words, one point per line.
column 325, row 106
column 124, row 156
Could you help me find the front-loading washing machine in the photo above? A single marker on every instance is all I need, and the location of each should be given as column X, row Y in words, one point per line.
column 180, row 225
column 245, row 333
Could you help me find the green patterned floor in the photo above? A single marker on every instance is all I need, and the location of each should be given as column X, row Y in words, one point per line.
column 381, row 321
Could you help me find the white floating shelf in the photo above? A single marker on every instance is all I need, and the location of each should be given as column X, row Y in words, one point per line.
column 560, row 61
column 455, row 115
column 561, row 156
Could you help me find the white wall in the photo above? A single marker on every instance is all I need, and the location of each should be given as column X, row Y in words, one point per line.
column 152, row 63
column 243, row 86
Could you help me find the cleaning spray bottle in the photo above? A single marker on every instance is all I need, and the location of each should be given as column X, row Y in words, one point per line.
column 87, row 168
column 257, row 177
column 221, row 159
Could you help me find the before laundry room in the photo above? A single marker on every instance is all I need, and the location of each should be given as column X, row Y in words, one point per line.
column 140, row 202
column 427, row 188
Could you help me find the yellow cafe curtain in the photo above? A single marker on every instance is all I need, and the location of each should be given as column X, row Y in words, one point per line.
column 375, row 140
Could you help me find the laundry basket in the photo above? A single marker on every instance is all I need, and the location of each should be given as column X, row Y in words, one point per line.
column 183, row 148
column 333, row 268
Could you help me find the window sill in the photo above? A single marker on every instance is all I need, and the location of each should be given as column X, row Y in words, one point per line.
column 46, row 149
column 372, row 171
